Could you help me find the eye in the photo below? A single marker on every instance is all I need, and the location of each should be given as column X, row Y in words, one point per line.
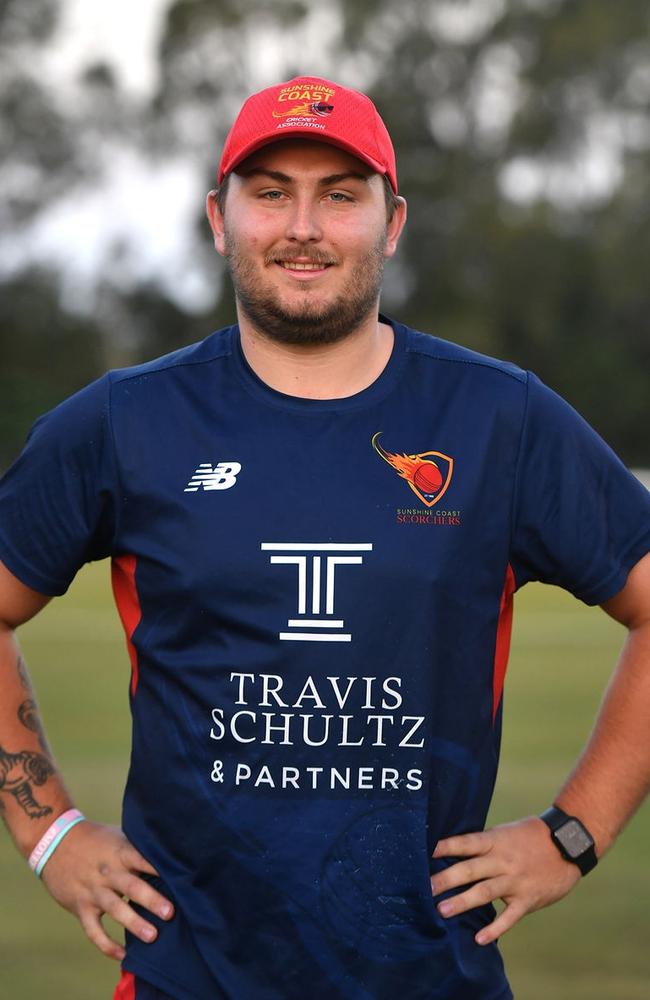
column 272, row 195
column 338, row 197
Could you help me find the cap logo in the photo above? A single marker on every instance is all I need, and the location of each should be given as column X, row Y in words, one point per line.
column 305, row 101
column 305, row 111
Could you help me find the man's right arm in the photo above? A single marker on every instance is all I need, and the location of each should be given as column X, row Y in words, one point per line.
column 95, row 869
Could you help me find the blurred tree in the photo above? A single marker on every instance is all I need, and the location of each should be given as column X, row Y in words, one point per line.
column 523, row 140
column 36, row 144
column 46, row 355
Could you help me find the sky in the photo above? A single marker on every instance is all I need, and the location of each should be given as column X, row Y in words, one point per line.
column 124, row 33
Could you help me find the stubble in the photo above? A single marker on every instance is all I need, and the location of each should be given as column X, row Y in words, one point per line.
column 310, row 322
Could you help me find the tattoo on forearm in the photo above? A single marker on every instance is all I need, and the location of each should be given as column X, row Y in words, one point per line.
column 28, row 715
column 22, row 673
column 19, row 772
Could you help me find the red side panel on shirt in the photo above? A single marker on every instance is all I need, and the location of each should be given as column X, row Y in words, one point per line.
column 128, row 606
column 504, row 631
column 125, row 989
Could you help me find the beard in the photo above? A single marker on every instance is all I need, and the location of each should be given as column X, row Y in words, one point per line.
column 309, row 323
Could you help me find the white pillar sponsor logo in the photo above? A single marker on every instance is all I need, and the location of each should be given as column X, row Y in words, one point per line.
column 316, row 572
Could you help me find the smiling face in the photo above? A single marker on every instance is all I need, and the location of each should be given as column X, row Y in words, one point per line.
column 305, row 233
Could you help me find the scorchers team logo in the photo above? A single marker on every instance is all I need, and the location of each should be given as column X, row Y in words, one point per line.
column 427, row 474
column 305, row 101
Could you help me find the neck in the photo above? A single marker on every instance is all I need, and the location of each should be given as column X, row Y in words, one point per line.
column 324, row 371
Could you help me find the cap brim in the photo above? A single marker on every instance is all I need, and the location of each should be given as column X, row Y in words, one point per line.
column 301, row 133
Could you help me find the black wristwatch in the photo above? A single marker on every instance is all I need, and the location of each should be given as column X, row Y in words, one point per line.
column 572, row 838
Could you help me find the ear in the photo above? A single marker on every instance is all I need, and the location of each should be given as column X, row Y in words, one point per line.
column 395, row 227
column 216, row 220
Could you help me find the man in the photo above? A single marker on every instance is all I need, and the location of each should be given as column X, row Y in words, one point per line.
column 317, row 519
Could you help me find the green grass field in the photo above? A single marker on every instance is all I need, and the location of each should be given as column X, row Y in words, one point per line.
column 594, row 945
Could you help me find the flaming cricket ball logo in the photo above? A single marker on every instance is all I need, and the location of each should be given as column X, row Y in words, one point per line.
column 305, row 102
column 306, row 110
column 427, row 474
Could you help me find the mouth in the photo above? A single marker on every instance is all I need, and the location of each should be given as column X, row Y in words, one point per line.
column 295, row 265
column 302, row 266
column 305, row 270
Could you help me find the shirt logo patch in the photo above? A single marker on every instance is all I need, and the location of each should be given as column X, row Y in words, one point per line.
column 428, row 479
column 221, row 477
column 316, row 564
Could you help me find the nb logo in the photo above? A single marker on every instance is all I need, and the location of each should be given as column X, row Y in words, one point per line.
column 221, row 477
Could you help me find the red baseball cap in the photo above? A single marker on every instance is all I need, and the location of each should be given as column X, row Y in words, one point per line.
column 313, row 108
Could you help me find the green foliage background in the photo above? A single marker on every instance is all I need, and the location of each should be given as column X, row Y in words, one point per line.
column 591, row 946
column 557, row 283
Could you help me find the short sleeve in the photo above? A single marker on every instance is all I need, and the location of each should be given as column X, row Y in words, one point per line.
column 58, row 500
column 581, row 519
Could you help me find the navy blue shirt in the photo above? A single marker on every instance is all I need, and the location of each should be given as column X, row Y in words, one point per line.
column 317, row 598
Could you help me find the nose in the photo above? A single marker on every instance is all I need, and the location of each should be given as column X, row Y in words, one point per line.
column 303, row 224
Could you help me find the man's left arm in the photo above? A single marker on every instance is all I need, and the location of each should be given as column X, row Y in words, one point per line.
column 518, row 862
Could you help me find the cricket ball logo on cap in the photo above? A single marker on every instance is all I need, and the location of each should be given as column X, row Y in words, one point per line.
column 427, row 474
column 306, row 111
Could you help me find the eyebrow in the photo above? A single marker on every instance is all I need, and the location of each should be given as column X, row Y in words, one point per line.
column 337, row 178
column 277, row 175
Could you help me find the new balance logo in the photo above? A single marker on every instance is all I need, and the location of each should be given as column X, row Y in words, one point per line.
column 221, row 477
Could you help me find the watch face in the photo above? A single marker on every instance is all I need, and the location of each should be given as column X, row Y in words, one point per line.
column 574, row 838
